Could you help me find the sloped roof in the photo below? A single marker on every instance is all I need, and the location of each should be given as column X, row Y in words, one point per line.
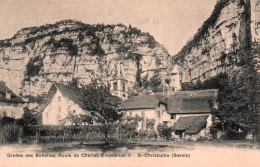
column 142, row 102
column 71, row 94
column 192, row 124
column 184, row 102
column 14, row 97
column 66, row 92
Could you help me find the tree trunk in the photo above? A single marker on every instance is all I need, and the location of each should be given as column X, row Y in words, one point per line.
column 1, row 137
column 37, row 138
column 64, row 137
column 19, row 138
column 106, row 133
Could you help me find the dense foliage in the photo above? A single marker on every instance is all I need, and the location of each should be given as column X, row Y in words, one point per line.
column 102, row 105
column 165, row 131
column 237, row 101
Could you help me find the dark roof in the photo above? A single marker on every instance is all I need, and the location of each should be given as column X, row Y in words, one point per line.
column 184, row 102
column 191, row 125
column 142, row 102
column 14, row 97
column 66, row 91
column 71, row 94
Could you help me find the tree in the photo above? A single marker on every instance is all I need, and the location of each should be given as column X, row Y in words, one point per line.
column 128, row 125
column 238, row 97
column 28, row 117
column 102, row 105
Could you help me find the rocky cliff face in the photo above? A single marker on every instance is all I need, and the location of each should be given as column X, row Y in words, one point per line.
column 37, row 56
column 233, row 25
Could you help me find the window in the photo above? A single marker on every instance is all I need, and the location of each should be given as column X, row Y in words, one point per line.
column 131, row 114
column 59, row 98
column 115, row 85
column 173, row 116
column 123, row 87
column 59, row 109
column 46, row 115
column 159, row 114
column 74, row 111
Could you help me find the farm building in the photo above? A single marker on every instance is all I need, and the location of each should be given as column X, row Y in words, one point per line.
column 189, row 112
column 62, row 102
column 147, row 107
column 11, row 105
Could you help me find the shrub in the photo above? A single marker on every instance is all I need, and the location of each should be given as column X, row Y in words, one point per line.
column 10, row 133
column 234, row 135
column 6, row 120
column 164, row 131
column 150, row 124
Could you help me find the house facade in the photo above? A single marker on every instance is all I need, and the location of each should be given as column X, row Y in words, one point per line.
column 61, row 103
column 190, row 112
column 148, row 107
column 11, row 105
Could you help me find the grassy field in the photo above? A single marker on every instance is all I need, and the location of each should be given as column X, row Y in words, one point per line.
column 161, row 146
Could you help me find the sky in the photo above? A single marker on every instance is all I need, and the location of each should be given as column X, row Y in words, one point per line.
column 171, row 22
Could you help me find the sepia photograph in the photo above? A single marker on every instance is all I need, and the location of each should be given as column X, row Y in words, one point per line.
column 129, row 83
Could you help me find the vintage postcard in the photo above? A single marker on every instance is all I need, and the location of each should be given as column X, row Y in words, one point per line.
column 129, row 83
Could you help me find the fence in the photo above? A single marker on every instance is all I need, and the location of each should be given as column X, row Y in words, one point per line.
column 87, row 133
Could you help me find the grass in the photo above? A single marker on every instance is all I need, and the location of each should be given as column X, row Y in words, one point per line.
column 133, row 147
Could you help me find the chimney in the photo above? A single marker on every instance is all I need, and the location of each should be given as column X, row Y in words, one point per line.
column 8, row 94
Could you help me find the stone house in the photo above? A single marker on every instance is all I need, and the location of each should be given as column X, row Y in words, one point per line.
column 190, row 112
column 11, row 105
column 61, row 102
column 149, row 107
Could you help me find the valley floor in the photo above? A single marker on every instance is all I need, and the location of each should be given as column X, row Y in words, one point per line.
column 158, row 146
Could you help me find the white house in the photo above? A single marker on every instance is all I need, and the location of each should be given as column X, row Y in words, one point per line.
column 10, row 104
column 191, row 112
column 147, row 107
column 61, row 101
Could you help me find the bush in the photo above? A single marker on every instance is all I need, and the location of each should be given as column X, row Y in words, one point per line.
column 164, row 131
column 234, row 135
column 202, row 138
column 10, row 133
column 6, row 120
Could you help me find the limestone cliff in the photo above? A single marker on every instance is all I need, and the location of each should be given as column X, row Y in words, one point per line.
column 233, row 25
column 34, row 57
